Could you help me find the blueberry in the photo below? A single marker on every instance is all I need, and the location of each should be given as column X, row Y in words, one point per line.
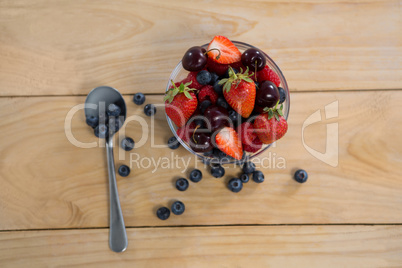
column 209, row 153
column 92, row 121
column 217, row 171
column 113, row 110
column 139, row 98
column 204, row 77
column 218, row 88
column 214, row 78
column 301, row 176
column 235, row 185
column 127, row 144
column 182, row 184
column 101, row 131
column 123, row 170
column 248, row 167
column 282, row 95
column 258, row 176
column 149, row 109
column 195, row 175
column 178, row 208
column 234, row 117
column 222, row 102
column 163, row 213
column 204, row 105
column 115, row 124
column 173, row 143
column 244, row 178
column 226, row 75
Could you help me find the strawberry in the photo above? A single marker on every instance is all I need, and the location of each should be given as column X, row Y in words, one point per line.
column 180, row 103
column 246, row 133
column 268, row 74
column 239, row 91
column 192, row 77
column 228, row 142
column 270, row 126
column 223, row 51
column 207, row 92
column 253, row 146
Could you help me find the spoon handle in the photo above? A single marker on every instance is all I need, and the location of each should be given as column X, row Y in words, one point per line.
column 117, row 234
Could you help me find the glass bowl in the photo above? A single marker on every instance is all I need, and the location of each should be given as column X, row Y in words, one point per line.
column 179, row 73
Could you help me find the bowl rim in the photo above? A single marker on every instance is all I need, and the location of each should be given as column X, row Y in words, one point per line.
column 206, row 159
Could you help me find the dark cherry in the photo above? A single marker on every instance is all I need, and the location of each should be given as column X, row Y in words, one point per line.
column 253, row 57
column 194, row 59
column 200, row 141
column 267, row 95
column 217, row 117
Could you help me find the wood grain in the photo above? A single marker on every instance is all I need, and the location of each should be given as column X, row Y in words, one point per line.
column 47, row 182
column 69, row 47
column 273, row 246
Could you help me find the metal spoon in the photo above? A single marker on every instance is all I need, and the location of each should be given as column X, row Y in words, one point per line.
column 96, row 103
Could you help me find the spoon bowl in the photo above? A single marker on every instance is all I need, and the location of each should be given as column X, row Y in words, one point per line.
column 96, row 103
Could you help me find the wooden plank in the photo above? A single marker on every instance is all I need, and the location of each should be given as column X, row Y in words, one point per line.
column 257, row 246
column 63, row 48
column 47, row 182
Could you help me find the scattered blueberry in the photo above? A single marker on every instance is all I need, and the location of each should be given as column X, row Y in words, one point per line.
column 178, row 208
column 204, row 77
column 113, row 110
column 248, row 167
column 235, row 185
column 204, row 105
column 139, row 98
column 214, row 78
column 123, row 170
column 182, row 184
column 217, row 171
column 127, row 144
column 92, row 121
column 244, row 178
column 149, row 109
column 195, row 175
column 101, row 131
column 258, row 176
column 173, row 143
column 282, row 95
column 163, row 213
column 222, row 102
column 218, row 88
column 301, row 176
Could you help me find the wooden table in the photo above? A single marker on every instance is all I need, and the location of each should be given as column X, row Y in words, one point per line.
column 54, row 195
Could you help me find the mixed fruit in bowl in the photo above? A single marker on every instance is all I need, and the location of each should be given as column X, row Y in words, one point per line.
column 227, row 101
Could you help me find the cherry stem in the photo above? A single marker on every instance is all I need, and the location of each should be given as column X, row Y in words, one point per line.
column 217, row 57
column 194, row 133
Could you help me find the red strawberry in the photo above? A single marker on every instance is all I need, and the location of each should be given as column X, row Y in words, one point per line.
column 207, row 92
column 192, row 77
column 223, row 51
column 239, row 91
column 253, row 146
column 268, row 74
column 246, row 133
column 180, row 103
column 270, row 126
column 228, row 142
